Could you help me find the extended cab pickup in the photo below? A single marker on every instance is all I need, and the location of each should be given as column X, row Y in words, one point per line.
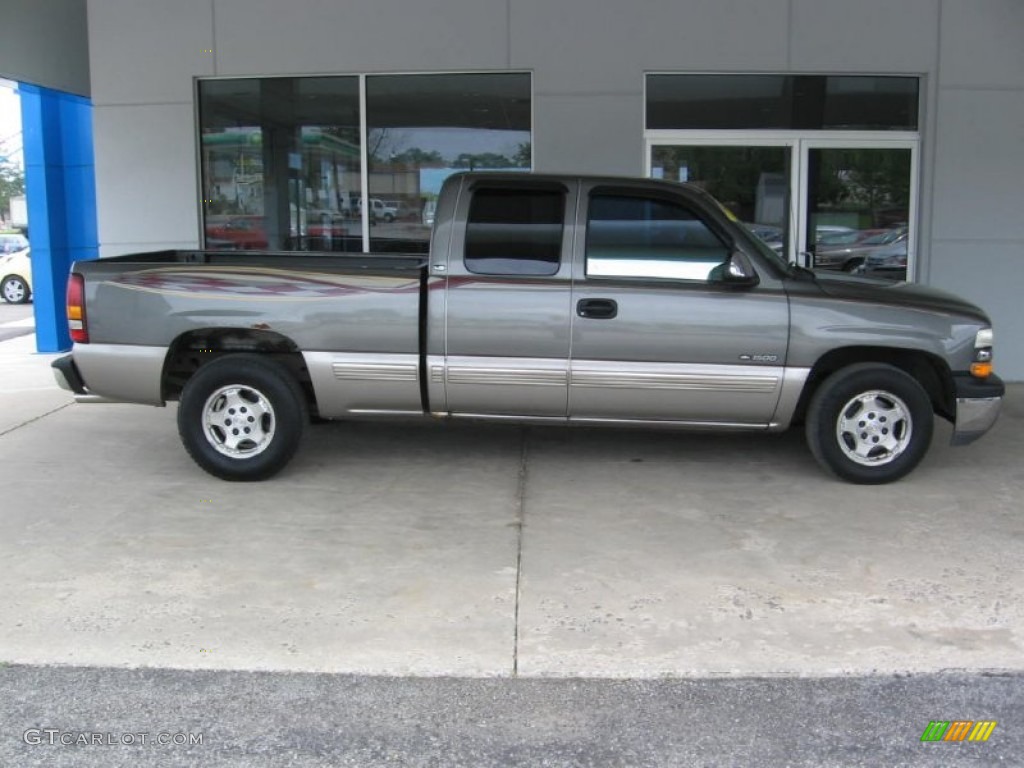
column 552, row 299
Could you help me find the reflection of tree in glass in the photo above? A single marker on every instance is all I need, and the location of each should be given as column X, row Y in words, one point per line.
column 482, row 160
column 874, row 183
column 419, row 157
column 731, row 174
column 523, row 157
column 12, row 183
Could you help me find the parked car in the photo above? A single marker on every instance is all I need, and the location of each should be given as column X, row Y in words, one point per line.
column 771, row 235
column 849, row 256
column 10, row 242
column 889, row 261
column 543, row 298
column 379, row 210
column 825, row 230
column 237, row 233
column 16, row 277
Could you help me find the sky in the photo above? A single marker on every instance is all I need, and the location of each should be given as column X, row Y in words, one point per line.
column 10, row 122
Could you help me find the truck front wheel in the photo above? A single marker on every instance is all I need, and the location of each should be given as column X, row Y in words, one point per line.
column 241, row 417
column 869, row 423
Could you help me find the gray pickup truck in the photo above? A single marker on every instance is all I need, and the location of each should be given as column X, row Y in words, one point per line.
column 547, row 299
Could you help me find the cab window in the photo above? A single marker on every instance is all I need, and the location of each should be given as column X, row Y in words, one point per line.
column 636, row 236
column 515, row 231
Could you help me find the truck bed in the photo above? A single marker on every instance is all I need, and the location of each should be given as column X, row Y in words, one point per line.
column 317, row 301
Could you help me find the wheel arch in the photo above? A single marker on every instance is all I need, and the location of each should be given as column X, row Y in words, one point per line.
column 193, row 349
column 929, row 370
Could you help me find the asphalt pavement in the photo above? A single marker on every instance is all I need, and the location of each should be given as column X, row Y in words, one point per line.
column 105, row 718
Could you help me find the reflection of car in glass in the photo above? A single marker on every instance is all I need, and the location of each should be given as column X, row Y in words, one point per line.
column 888, row 261
column 771, row 235
column 16, row 277
column 238, row 233
column 824, row 230
column 10, row 242
column 849, row 256
column 379, row 210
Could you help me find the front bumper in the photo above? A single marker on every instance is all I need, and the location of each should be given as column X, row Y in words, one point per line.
column 977, row 406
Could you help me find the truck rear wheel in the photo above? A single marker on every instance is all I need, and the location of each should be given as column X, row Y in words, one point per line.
column 869, row 423
column 241, row 417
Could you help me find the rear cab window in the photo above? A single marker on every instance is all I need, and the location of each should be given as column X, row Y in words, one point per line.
column 515, row 231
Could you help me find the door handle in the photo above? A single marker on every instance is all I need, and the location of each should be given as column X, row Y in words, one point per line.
column 597, row 309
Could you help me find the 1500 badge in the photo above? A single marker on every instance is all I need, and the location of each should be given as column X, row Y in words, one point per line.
column 759, row 358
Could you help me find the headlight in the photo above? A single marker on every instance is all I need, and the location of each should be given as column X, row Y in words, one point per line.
column 982, row 366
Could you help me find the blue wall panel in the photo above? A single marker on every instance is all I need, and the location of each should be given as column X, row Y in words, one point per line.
column 61, row 190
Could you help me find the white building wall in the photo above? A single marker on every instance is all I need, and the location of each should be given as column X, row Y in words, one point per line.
column 43, row 42
column 977, row 229
column 588, row 58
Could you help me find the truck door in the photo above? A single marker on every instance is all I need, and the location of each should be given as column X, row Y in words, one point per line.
column 656, row 337
column 506, row 314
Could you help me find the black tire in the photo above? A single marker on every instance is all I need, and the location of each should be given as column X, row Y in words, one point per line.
column 15, row 290
column 241, row 417
column 869, row 423
column 853, row 265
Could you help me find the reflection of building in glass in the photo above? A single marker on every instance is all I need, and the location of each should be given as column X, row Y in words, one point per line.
column 283, row 158
column 234, row 170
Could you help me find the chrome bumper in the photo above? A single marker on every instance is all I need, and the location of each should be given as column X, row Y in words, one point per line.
column 977, row 406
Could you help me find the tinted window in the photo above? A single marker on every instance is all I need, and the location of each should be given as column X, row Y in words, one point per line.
column 515, row 232
column 810, row 102
column 631, row 236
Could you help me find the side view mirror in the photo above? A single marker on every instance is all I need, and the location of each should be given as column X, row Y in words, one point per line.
column 737, row 271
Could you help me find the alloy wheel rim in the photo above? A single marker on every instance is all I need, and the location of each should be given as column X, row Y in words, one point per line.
column 874, row 428
column 239, row 421
column 14, row 291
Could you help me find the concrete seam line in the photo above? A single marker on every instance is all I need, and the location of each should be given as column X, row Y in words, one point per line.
column 520, row 521
column 37, row 418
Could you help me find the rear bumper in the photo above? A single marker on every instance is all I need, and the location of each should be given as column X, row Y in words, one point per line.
column 977, row 406
column 68, row 377
column 66, row 373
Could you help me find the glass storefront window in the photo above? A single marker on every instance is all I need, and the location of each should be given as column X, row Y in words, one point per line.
column 282, row 158
column 423, row 128
column 280, row 163
column 766, row 102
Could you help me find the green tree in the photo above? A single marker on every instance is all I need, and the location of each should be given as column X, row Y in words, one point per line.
column 419, row 157
column 12, row 184
column 523, row 156
column 482, row 160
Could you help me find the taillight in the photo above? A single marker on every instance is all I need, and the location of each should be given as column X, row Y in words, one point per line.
column 76, row 309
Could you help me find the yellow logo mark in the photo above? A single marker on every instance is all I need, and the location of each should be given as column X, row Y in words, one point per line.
column 982, row 730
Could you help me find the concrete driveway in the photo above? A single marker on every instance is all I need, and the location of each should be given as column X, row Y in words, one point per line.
column 471, row 550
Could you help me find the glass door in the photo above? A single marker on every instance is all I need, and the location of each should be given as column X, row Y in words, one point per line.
column 752, row 180
column 859, row 207
column 842, row 203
